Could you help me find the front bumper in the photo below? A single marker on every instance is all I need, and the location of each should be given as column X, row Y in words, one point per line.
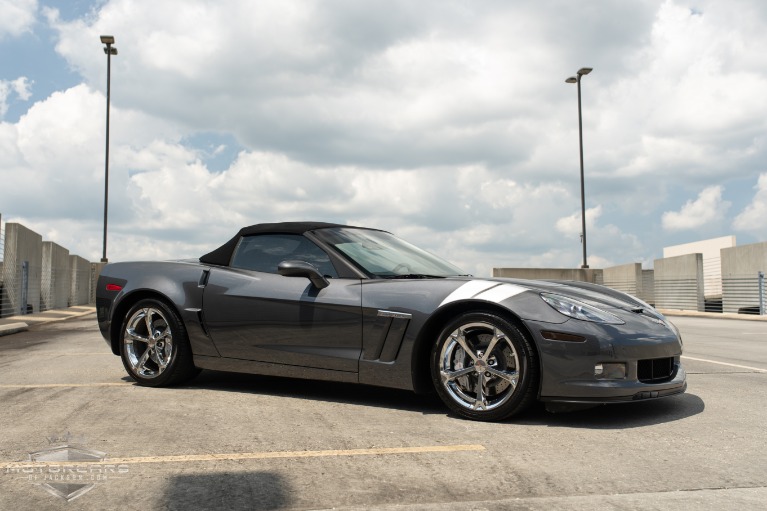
column 621, row 391
column 568, row 366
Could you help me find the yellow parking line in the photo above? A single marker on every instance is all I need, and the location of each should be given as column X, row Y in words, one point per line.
column 381, row 451
column 56, row 385
column 74, row 353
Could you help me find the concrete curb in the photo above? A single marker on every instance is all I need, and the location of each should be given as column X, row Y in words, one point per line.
column 13, row 328
column 714, row 315
column 55, row 315
column 15, row 324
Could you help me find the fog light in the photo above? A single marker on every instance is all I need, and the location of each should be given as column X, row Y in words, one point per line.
column 610, row 371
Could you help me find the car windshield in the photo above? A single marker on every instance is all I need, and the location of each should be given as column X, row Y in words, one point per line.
column 384, row 255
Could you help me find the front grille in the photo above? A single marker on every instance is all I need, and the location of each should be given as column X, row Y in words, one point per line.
column 656, row 370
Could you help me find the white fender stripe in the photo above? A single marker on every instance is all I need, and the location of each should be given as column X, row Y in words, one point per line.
column 500, row 293
column 484, row 290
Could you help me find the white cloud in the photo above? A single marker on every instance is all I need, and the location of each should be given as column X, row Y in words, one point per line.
column 56, row 153
column 690, row 105
column 446, row 122
column 754, row 217
column 707, row 208
column 381, row 85
column 459, row 213
column 573, row 224
column 17, row 16
column 600, row 239
column 20, row 86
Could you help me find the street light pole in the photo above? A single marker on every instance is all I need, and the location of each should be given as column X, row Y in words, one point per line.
column 577, row 79
column 110, row 50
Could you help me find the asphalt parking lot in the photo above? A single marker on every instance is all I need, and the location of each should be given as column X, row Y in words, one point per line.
column 252, row 442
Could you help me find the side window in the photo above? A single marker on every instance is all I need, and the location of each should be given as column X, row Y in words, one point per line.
column 265, row 251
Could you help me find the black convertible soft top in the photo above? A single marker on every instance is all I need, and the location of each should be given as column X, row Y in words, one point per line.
column 223, row 254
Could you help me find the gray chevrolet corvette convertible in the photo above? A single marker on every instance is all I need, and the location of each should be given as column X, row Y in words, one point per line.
column 350, row 304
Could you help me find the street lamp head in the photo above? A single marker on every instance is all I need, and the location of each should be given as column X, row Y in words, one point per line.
column 110, row 50
column 108, row 39
column 572, row 79
column 585, row 70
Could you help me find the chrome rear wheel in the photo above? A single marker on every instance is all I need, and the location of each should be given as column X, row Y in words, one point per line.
column 154, row 346
column 148, row 342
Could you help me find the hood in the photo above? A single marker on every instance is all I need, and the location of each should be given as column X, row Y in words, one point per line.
column 593, row 294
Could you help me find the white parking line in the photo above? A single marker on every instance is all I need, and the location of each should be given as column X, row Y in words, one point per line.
column 725, row 364
column 258, row 455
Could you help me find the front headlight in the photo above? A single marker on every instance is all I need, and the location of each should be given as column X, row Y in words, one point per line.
column 579, row 310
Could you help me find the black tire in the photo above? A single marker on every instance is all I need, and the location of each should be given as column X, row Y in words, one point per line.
column 154, row 345
column 507, row 374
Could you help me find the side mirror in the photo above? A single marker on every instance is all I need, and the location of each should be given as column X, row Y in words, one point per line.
column 303, row 269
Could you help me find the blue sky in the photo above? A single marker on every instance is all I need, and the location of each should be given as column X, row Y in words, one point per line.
column 446, row 122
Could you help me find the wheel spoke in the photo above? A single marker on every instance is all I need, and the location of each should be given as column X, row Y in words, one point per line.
column 448, row 376
column 497, row 336
column 164, row 354
column 481, row 401
column 511, row 377
column 460, row 338
column 141, row 364
column 161, row 336
column 131, row 336
column 148, row 322
column 162, row 363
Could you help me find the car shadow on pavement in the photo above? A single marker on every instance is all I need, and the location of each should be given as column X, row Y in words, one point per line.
column 333, row 392
column 613, row 416
column 226, row 490
column 618, row 415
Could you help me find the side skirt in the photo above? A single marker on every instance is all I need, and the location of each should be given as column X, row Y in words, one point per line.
column 236, row 365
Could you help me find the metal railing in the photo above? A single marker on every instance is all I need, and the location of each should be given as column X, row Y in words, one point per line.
column 29, row 288
column 21, row 293
column 5, row 307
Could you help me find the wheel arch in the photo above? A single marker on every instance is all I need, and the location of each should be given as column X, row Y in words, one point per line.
column 422, row 383
column 122, row 308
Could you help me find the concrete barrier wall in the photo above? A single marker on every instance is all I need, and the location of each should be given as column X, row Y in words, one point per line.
column 94, row 278
column 711, row 251
column 22, row 269
column 54, row 290
column 80, row 280
column 679, row 283
column 626, row 278
column 579, row 274
column 37, row 276
column 740, row 283
column 648, row 286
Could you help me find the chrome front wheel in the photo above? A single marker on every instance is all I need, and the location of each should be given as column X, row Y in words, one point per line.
column 481, row 367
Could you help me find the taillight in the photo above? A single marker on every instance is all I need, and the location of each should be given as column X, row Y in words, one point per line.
column 114, row 287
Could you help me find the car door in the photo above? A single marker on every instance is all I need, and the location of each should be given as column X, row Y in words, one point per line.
column 253, row 313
